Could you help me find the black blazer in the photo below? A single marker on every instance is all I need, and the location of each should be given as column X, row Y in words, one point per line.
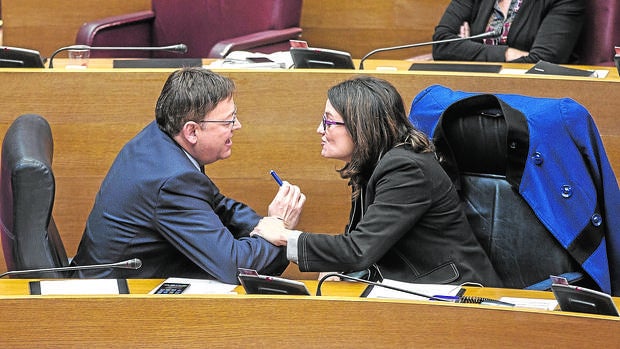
column 547, row 29
column 409, row 222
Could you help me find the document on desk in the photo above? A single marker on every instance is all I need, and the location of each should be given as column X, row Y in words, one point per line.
column 79, row 287
column 531, row 303
column 422, row 289
column 198, row 286
column 253, row 60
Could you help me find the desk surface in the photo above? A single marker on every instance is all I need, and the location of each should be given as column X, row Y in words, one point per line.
column 338, row 319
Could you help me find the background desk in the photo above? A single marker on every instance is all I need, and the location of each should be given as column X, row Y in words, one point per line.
column 339, row 320
column 348, row 25
column 94, row 112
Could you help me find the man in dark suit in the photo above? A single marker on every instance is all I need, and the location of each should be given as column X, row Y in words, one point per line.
column 157, row 204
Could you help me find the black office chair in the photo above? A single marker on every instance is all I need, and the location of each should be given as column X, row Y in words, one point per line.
column 473, row 144
column 30, row 239
column 521, row 249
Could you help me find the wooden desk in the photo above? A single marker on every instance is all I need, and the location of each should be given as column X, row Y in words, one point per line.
column 339, row 320
column 94, row 112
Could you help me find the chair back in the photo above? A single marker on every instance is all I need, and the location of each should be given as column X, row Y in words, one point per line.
column 600, row 33
column 30, row 239
column 201, row 24
column 209, row 28
column 520, row 247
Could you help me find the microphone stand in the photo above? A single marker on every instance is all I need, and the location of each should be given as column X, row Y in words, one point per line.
column 180, row 48
column 377, row 284
column 485, row 35
column 128, row 264
column 458, row 299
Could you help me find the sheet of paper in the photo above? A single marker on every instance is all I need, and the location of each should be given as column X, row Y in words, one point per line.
column 79, row 286
column 533, row 303
column 243, row 60
column 200, row 286
column 423, row 289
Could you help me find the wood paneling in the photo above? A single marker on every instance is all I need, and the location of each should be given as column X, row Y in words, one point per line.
column 358, row 26
column 339, row 319
column 94, row 113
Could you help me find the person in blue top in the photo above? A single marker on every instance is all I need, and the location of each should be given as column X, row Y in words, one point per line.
column 156, row 204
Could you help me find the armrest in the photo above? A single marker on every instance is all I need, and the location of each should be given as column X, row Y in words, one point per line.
column 254, row 40
column 135, row 25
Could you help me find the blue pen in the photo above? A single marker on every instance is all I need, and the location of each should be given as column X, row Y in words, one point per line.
column 276, row 177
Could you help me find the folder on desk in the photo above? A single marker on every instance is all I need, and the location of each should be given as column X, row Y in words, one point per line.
column 457, row 67
column 543, row 67
column 157, row 63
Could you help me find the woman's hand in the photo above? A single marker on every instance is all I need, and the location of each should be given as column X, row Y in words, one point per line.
column 331, row 278
column 287, row 205
column 272, row 229
column 465, row 31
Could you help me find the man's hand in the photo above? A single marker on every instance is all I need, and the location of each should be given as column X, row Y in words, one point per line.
column 287, row 205
column 272, row 229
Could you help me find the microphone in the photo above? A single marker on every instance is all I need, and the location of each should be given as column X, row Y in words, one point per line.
column 134, row 263
column 455, row 299
column 377, row 284
column 180, row 48
column 485, row 35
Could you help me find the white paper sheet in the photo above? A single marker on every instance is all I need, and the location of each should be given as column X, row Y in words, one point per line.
column 79, row 286
column 424, row 289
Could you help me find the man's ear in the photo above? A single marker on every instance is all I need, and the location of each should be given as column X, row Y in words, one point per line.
column 188, row 132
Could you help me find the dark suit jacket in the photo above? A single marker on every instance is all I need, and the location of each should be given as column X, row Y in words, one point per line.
column 547, row 29
column 155, row 204
column 409, row 222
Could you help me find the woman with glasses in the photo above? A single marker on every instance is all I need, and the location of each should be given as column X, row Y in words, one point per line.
column 406, row 220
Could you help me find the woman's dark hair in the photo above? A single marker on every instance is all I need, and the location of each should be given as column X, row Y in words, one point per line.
column 188, row 95
column 375, row 116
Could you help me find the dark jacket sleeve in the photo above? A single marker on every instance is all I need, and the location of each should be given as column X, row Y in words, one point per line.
column 402, row 196
column 191, row 213
column 547, row 29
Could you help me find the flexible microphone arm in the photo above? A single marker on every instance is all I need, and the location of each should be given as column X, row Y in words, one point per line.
column 180, row 48
column 484, row 35
column 460, row 299
column 134, row 263
column 318, row 287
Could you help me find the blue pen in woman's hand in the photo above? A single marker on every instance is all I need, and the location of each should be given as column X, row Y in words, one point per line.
column 276, row 177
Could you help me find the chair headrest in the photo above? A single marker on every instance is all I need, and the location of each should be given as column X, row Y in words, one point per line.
column 478, row 141
column 482, row 134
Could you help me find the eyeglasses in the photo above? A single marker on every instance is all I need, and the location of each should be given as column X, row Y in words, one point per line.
column 327, row 123
column 231, row 122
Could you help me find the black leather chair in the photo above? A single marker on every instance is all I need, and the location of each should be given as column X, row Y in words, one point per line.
column 524, row 253
column 30, row 239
